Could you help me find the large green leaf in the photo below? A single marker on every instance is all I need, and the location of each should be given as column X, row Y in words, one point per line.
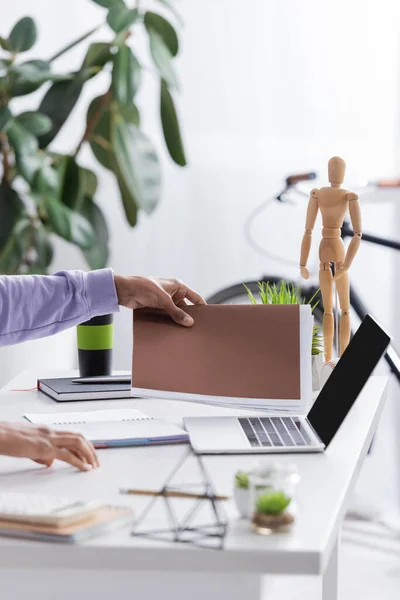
column 35, row 122
column 23, row 35
column 60, row 99
column 125, row 76
column 31, row 70
column 170, row 126
column 98, row 54
column 23, row 233
column 11, row 207
column 97, row 255
column 28, row 77
column 28, row 159
column 5, row 117
column 21, row 139
column 46, row 180
column 100, row 140
column 164, row 29
column 57, row 104
column 121, row 18
column 69, row 225
column 89, row 182
column 138, row 164
column 101, row 145
column 5, row 44
column 72, row 184
column 109, row 3
column 162, row 57
column 128, row 200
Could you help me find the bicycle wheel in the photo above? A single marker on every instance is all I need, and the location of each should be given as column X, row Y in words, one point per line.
column 236, row 294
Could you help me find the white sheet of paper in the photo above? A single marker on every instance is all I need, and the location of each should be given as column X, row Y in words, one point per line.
column 90, row 416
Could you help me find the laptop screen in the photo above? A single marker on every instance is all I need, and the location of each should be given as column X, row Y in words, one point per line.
column 347, row 379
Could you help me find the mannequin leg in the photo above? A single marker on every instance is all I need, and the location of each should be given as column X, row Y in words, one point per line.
column 325, row 280
column 343, row 289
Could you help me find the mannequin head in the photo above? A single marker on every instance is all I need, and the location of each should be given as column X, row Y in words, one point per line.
column 336, row 171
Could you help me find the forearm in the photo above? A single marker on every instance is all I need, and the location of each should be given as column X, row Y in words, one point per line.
column 33, row 306
column 352, row 250
column 305, row 248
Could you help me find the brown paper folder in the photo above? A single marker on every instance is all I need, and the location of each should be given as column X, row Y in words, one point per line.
column 239, row 354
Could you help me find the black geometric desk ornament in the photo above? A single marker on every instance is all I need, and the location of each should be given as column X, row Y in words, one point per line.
column 194, row 513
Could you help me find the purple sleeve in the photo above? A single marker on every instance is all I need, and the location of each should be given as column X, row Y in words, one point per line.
column 33, row 306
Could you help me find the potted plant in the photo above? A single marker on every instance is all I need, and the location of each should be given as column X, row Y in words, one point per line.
column 286, row 293
column 271, row 514
column 241, row 493
column 45, row 194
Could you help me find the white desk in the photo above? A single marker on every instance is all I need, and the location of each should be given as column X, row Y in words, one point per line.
column 131, row 567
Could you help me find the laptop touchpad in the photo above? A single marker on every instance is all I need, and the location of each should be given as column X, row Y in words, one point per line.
column 219, row 433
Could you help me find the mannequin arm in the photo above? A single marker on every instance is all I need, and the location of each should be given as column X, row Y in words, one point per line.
column 355, row 217
column 312, row 212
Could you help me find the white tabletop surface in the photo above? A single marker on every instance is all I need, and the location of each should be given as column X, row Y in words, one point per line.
column 325, row 483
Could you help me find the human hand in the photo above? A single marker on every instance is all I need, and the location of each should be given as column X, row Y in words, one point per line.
column 43, row 445
column 304, row 272
column 340, row 272
column 170, row 295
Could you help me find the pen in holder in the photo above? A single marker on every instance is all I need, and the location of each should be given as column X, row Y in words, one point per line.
column 95, row 343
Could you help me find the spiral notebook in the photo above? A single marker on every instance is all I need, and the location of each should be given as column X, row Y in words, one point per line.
column 114, row 428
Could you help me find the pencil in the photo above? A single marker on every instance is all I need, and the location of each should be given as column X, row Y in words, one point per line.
column 170, row 493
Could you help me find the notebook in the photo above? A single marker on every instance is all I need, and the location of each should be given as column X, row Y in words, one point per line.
column 253, row 357
column 105, row 520
column 114, row 428
column 62, row 389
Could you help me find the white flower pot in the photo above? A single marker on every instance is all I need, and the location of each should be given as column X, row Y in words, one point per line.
column 242, row 501
column 317, row 363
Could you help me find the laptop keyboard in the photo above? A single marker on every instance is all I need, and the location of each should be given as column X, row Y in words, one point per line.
column 274, row 432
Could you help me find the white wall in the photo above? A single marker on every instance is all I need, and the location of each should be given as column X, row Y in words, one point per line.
column 269, row 88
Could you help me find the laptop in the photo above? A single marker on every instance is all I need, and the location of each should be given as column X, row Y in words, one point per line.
column 313, row 433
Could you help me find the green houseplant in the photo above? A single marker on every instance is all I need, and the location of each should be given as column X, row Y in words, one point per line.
column 45, row 194
column 270, row 513
column 287, row 293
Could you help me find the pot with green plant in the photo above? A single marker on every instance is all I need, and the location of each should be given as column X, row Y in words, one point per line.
column 287, row 293
column 271, row 513
column 272, row 495
column 45, row 193
column 241, row 494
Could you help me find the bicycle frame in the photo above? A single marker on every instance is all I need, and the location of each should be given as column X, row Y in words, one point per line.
column 391, row 356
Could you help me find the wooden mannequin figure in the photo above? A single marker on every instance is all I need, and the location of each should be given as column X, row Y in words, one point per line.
column 333, row 202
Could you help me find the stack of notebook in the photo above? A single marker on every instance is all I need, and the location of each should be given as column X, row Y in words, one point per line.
column 56, row 519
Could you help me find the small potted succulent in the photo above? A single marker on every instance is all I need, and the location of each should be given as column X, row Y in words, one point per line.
column 271, row 514
column 287, row 293
column 241, row 494
column 272, row 497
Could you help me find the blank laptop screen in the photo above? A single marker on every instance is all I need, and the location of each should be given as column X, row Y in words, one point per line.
column 347, row 379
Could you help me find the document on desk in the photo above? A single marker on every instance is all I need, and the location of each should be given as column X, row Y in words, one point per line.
column 112, row 428
column 245, row 356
